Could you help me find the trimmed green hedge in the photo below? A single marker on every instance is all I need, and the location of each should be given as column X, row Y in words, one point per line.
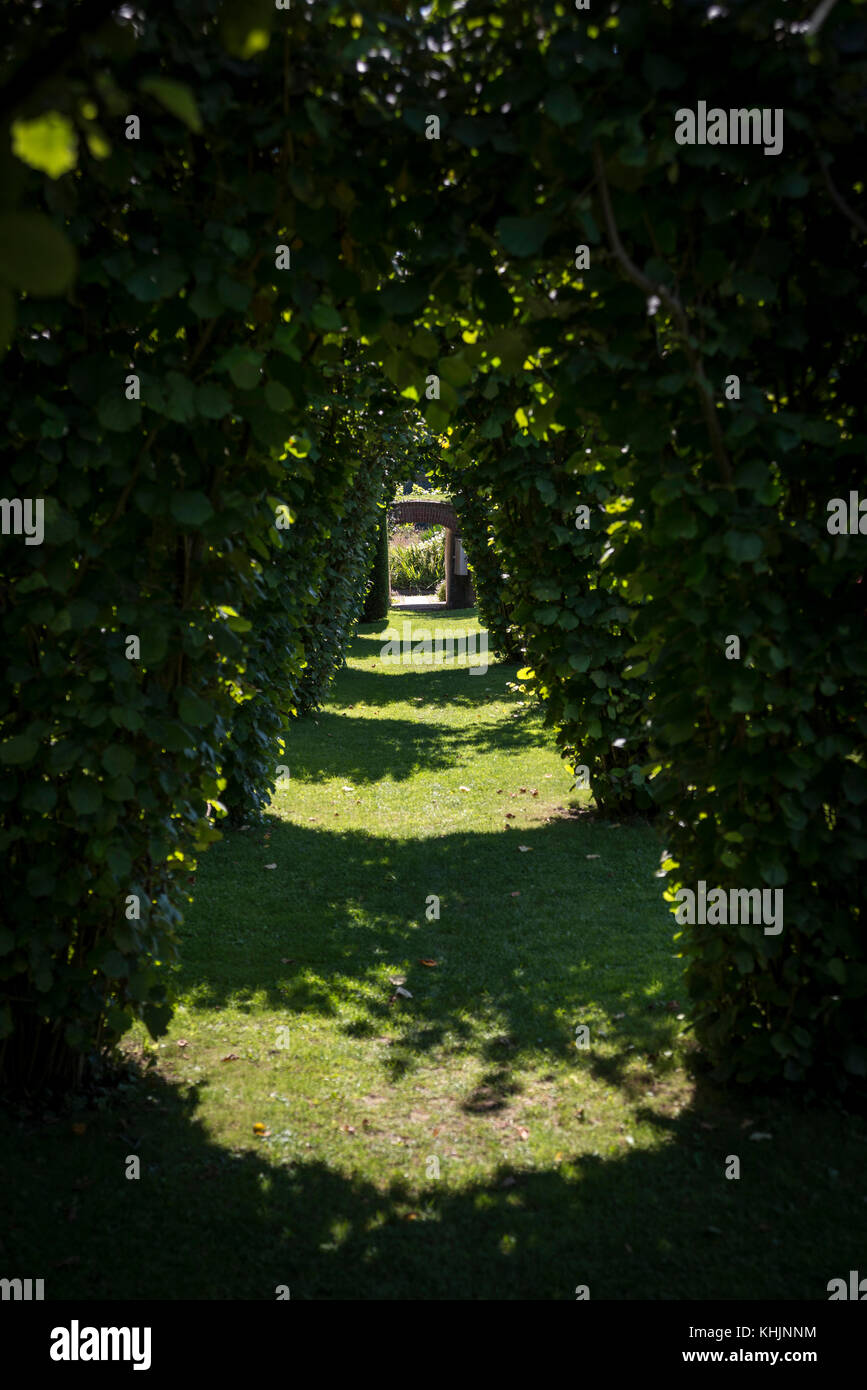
column 378, row 598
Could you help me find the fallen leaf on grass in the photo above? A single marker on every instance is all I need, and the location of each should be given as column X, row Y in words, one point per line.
column 230, row 1057
column 422, row 961
column 463, row 789
column 522, row 1132
column 510, row 815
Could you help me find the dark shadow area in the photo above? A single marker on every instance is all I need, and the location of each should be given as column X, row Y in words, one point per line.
column 204, row 1222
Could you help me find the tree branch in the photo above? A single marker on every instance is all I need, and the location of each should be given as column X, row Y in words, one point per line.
column 839, row 199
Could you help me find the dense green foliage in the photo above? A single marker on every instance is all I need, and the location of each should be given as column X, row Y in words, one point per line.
column 341, row 599
column 474, row 507
column 693, row 377
column 553, row 585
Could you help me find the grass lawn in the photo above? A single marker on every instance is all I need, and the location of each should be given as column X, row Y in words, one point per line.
column 455, row 1144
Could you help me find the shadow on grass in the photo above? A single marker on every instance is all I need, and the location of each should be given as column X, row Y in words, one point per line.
column 203, row 1222
column 530, row 944
column 342, row 747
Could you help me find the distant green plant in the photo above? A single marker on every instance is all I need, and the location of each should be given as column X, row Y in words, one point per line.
column 418, row 568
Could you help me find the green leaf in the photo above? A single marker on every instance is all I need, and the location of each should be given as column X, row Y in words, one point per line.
column 523, row 236
column 854, row 783
column 743, row 546
column 233, row 294
column 118, row 760
column 115, row 965
column 85, row 796
column 34, row 255
column 562, row 106
column 181, row 403
column 48, row 143
column 204, row 302
column 326, row 318
column 21, row 748
column 212, row 401
column 299, row 445
column 277, row 397
column 194, row 710
column 115, row 412
column 119, row 860
column 243, row 365
column 156, row 279
column 176, row 97
column 191, row 508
